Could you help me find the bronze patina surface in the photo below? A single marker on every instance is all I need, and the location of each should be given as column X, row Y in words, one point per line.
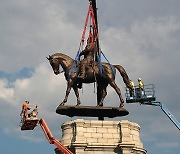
column 92, row 75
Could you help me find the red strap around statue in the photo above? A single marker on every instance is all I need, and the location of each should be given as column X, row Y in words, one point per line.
column 94, row 34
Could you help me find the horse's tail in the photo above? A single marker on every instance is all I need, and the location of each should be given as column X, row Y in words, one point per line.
column 124, row 75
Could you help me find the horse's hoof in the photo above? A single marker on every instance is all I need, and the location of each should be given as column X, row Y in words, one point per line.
column 121, row 105
column 78, row 104
column 100, row 105
column 62, row 104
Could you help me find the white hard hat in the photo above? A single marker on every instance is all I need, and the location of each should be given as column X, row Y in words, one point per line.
column 139, row 79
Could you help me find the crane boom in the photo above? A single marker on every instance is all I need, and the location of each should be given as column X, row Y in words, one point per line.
column 165, row 110
column 51, row 139
column 170, row 116
column 148, row 98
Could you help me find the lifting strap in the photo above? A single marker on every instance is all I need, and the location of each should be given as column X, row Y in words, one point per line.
column 90, row 17
column 100, row 64
column 93, row 32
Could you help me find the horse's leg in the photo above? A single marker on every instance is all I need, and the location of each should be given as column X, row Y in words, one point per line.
column 103, row 95
column 118, row 91
column 69, row 85
column 99, row 95
column 77, row 95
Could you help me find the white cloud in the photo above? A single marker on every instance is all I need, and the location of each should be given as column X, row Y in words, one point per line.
column 43, row 89
column 6, row 91
column 137, row 35
column 32, row 35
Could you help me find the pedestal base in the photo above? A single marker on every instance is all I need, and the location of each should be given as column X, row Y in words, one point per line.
column 102, row 137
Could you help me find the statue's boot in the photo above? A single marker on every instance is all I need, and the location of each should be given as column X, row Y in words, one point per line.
column 82, row 71
column 79, row 85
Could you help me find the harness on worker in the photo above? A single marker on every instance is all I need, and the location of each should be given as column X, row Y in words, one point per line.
column 93, row 33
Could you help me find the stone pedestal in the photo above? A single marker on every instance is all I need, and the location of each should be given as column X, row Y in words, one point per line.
column 102, row 137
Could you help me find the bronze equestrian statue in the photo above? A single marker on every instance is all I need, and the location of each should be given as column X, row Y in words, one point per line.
column 92, row 75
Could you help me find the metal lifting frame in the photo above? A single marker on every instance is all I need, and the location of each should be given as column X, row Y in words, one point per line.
column 51, row 139
column 166, row 111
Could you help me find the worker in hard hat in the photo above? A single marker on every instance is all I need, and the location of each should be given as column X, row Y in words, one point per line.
column 25, row 109
column 131, row 91
column 33, row 113
column 141, row 85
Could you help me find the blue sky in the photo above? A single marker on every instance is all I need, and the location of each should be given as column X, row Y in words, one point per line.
column 143, row 36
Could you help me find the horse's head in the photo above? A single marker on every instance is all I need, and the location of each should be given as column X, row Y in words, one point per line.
column 54, row 64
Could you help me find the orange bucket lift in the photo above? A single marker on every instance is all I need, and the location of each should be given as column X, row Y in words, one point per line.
column 31, row 121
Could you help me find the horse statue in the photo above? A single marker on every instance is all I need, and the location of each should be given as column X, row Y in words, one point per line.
column 92, row 75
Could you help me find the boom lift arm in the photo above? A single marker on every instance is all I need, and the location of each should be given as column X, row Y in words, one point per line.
column 166, row 111
column 31, row 121
column 148, row 98
column 51, row 139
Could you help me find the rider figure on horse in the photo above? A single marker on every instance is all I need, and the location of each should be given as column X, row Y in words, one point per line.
column 88, row 53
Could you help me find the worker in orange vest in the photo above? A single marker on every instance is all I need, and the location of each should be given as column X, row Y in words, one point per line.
column 25, row 109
